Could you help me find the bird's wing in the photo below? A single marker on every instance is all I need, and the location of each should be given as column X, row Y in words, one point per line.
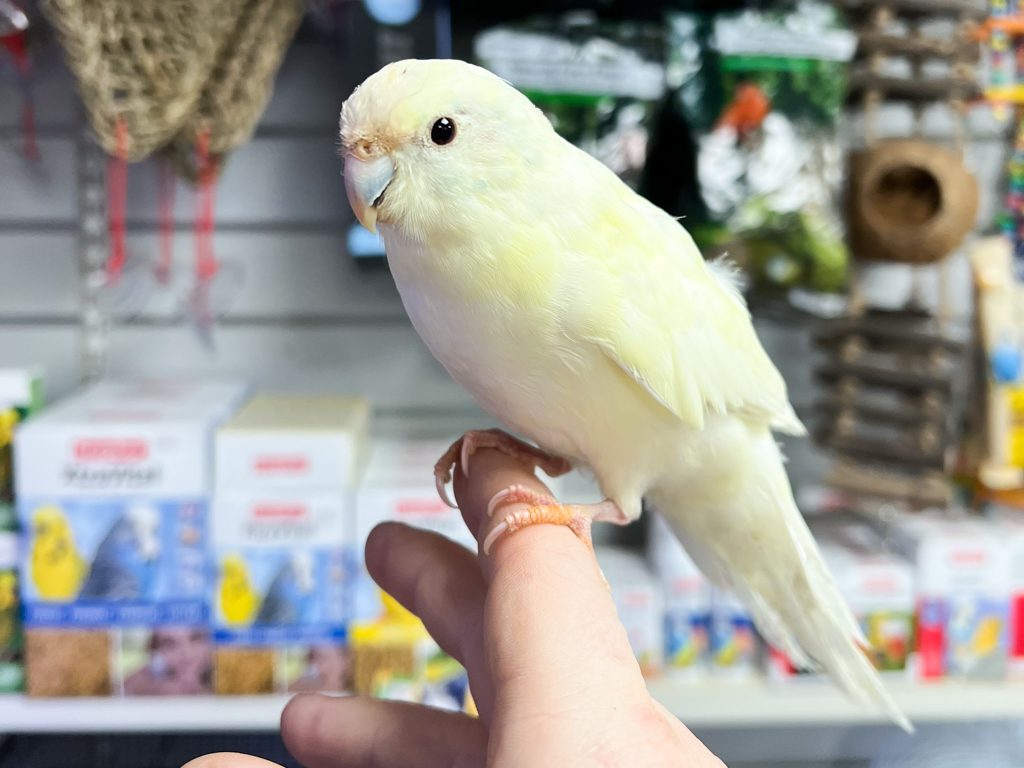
column 674, row 323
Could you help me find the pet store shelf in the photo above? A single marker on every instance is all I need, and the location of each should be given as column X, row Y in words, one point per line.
column 721, row 705
column 758, row 704
column 170, row 714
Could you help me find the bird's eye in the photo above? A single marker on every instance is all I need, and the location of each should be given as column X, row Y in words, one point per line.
column 443, row 131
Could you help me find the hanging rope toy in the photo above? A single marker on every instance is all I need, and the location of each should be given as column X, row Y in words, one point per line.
column 216, row 283
column 126, row 287
column 14, row 26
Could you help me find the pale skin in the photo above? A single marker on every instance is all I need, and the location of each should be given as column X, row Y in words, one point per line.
column 550, row 666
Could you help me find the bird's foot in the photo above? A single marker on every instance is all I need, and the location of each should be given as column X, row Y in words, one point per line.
column 460, row 451
column 541, row 508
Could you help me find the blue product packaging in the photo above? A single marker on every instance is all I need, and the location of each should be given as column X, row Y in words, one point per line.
column 112, row 498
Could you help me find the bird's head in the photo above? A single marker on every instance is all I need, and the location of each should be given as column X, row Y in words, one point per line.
column 234, row 570
column 50, row 525
column 422, row 139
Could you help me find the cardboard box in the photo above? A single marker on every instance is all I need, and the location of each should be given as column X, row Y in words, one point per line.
column 962, row 573
column 281, row 443
column 879, row 588
column 284, row 566
column 393, row 656
column 638, row 601
column 687, row 600
column 282, row 535
column 1010, row 524
column 113, row 487
column 735, row 646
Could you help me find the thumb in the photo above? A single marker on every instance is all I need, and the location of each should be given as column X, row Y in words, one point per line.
column 550, row 623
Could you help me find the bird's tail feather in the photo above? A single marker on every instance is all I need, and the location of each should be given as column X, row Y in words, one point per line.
column 758, row 544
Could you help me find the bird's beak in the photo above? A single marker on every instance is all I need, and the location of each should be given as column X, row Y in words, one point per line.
column 365, row 183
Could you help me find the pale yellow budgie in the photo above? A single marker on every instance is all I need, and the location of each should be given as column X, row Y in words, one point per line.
column 55, row 566
column 584, row 317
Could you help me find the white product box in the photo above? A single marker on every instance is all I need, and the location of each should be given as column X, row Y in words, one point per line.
column 879, row 588
column 113, row 486
column 687, row 599
column 734, row 639
column 962, row 573
column 293, row 442
column 638, row 600
column 283, row 565
column 1011, row 526
column 398, row 485
column 125, row 439
column 284, row 517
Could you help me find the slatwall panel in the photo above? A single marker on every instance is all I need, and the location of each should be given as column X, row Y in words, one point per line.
column 306, row 314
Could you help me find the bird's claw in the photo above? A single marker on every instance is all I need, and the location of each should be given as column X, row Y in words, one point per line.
column 518, row 494
column 441, row 483
column 459, row 453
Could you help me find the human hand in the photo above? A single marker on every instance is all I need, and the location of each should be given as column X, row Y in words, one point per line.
column 550, row 667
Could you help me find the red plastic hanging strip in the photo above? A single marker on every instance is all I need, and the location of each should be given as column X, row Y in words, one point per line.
column 166, row 186
column 117, row 197
column 206, row 262
column 17, row 47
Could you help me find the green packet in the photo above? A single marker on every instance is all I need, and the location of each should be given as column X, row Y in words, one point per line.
column 761, row 92
column 600, row 83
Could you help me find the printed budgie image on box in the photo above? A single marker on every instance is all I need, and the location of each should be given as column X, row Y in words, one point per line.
column 91, row 562
column 273, row 596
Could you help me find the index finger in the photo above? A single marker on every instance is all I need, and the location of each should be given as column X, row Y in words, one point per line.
column 550, row 622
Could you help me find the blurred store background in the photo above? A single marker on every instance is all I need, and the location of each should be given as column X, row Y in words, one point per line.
column 210, row 393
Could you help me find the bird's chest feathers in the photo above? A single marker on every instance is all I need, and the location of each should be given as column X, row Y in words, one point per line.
column 478, row 314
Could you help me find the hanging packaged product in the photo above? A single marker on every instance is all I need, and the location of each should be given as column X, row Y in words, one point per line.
column 282, row 531
column 762, row 92
column 599, row 83
column 112, row 490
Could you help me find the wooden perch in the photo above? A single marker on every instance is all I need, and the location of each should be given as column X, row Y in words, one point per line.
column 882, row 450
column 926, row 488
column 916, row 47
column 894, row 331
column 910, row 89
column 907, row 413
column 869, row 375
column 916, row 9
